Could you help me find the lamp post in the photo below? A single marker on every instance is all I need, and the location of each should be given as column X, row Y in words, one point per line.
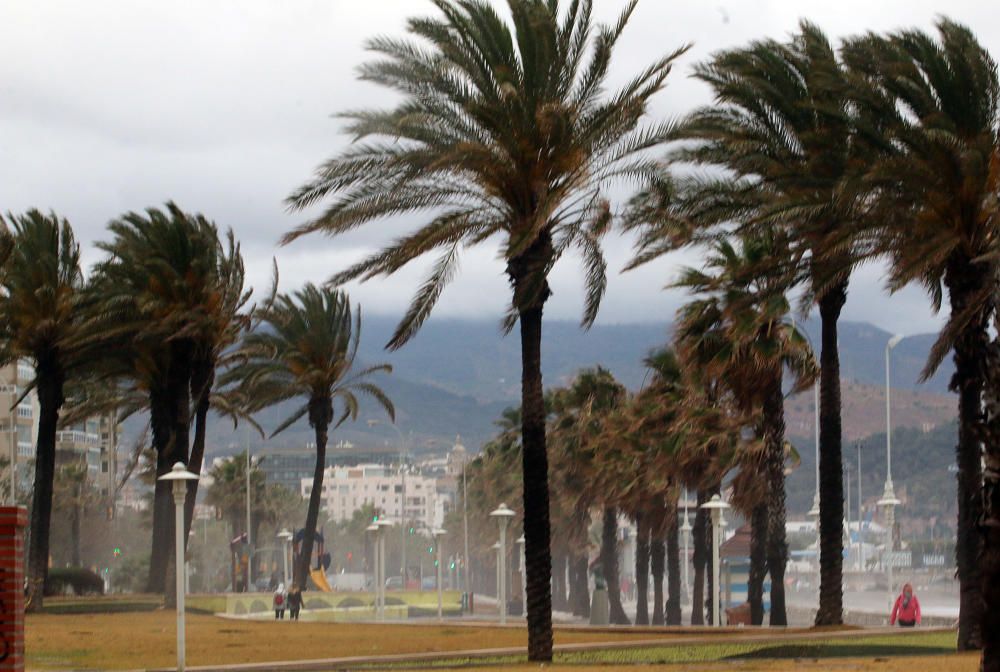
column 402, row 499
column 686, row 534
column 438, row 536
column 286, row 538
column 377, row 569
column 178, row 477
column 466, row 565
column 715, row 506
column 889, row 502
column 888, row 493
column 524, row 577
column 502, row 514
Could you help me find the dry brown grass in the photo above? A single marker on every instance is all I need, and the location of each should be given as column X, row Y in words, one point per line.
column 147, row 639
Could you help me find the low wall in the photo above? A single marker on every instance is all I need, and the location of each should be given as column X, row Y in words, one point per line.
column 352, row 606
column 802, row 616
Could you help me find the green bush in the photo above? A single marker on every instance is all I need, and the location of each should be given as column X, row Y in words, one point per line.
column 79, row 580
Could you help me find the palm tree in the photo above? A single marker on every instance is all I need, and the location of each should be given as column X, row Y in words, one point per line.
column 306, row 348
column 41, row 321
column 781, row 127
column 503, row 132
column 738, row 325
column 152, row 296
column 936, row 105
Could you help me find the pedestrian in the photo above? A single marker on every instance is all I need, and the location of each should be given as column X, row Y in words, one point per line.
column 907, row 608
column 278, row 602
column 294, row 602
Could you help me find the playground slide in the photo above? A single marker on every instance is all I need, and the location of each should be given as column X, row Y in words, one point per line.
column 319, row 578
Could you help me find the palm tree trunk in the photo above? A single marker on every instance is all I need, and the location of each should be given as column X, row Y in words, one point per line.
column 656, row 562
column 50, row 399
column 990, row 563
column 964, row 280
column 535, row 469
column 301, row 571
column 699, row 558
column 642, row 569
column 201, row 385
column 673, row 607
column 758, row 563
column 162, row 499
column 777, row 545
column 609, row 565
column 170, row 438
column 831, row 482
column 579, row 590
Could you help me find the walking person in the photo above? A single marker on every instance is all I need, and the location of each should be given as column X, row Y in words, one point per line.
column 294, row 603
column 907, row 609
column 278, row 602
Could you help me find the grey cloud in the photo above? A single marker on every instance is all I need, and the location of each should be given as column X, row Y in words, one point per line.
column 225, row 107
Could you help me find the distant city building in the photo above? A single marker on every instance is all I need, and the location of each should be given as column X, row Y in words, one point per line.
column 287, row 467
column 93, row 441
column 347, row 489
column 19, row 426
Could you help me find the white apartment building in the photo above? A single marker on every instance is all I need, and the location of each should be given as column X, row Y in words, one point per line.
column 93, row 441
column 347, row 489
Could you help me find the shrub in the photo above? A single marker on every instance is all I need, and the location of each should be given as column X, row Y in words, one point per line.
column 79, row 580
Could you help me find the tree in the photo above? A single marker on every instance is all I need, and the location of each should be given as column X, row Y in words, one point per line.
column 153, row 294
column 306, row 348
column 41, row 321
column 782, row 129
column 503, row 132
column 739, row 324
column 935, row 103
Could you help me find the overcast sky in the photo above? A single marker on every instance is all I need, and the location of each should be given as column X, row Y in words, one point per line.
column 224, row 107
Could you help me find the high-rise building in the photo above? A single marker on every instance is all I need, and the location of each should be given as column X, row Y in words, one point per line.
column 18, row 425
column 93, row 441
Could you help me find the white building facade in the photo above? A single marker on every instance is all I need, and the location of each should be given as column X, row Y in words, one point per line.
column 347, row 489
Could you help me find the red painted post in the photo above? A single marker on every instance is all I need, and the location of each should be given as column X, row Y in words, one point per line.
column 13, row 520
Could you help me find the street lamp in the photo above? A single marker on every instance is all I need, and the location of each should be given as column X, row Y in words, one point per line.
column 438, row 536
column 376, row 531
column 888, row 504
column 715, row 506
column 402, row 508
column 888, row 493
column 524, row 577
column 502, row 514
column 179, row 475
column 686, row 535
column 286, row 538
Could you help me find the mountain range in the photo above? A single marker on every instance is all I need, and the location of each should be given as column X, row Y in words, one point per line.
column 456, row 376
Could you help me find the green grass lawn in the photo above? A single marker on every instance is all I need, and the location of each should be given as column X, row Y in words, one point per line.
column 856, row 646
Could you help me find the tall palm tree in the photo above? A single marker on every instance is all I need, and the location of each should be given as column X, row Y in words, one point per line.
column 41, row 321
column 739, row 323
column 781, row 127
column 504, row 132
column 152, row 294
column 936, row 103
column 306, row 349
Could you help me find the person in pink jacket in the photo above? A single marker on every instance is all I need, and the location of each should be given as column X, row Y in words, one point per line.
column 907, row 609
